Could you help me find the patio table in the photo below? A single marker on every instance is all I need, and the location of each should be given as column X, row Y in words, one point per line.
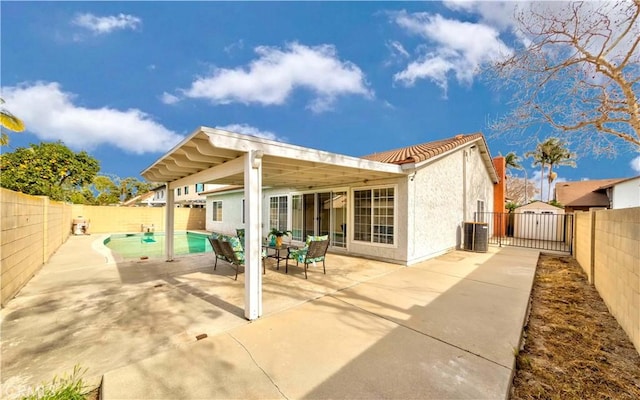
column 277, row 253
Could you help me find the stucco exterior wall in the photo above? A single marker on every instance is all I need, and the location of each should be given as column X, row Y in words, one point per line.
column 231, row 213
column 626, row 194
column 33, row 227
column 446, row 195
column 438, row 208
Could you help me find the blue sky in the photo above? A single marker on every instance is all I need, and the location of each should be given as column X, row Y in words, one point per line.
column 127, row 80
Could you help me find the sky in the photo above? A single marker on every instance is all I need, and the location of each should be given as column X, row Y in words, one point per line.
column 126, row 81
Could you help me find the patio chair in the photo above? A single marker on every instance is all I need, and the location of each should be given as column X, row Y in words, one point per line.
column 240, row 233
column 234, row 253
column 214, row 240
column 314, row 251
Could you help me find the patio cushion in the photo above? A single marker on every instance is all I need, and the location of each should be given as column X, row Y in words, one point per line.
column 237, row 247
column 299, row 254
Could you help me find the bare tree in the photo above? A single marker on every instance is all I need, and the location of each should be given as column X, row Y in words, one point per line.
column 578, row 71
column 519, row 190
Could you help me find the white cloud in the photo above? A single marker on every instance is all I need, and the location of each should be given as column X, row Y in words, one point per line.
column 271, row 79
column 103, row 25
column 495, row 13
column 251, row 131
column 168, row 98
column 635, row 164
column 455, row 47
column 50, row 114
column 398, row 49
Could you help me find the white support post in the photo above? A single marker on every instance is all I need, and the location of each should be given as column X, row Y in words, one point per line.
column 253, row 234
column 169, row 224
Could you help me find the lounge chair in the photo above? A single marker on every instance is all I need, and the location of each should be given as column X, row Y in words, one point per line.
column 315, row 250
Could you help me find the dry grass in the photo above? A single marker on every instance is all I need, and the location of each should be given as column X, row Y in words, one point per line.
column 574, row 348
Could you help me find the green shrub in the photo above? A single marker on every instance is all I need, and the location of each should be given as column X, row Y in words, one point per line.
column 67, row 387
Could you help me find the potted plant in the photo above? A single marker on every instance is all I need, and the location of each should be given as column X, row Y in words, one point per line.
column 277, row 234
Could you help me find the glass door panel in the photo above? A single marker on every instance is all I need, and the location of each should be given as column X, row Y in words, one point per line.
column 338, row 219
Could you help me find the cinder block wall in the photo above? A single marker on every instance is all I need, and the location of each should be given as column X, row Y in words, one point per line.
column 105, row 219
column 582, row 241
column 617, row 266
column 32, row 229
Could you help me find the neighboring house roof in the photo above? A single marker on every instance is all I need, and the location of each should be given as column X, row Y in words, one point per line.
column 617, row 181
column 584, row 193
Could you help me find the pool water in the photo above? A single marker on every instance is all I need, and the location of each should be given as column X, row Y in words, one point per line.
column 136, row 245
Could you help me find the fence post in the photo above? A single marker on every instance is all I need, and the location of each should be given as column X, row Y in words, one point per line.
column 592, row 249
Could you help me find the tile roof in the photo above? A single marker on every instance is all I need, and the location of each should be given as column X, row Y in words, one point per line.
column 584, row 193
column 422, row 152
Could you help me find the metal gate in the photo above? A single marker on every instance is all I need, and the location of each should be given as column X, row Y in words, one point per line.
column 545, row 231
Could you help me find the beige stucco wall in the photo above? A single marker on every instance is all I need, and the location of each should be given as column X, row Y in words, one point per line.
column 105, row 219
column 616, row 262
column 32, row 229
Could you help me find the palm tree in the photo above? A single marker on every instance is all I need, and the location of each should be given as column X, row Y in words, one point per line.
column 559, row 155
column 512, row 161
column 9, row 121
column 540, row 157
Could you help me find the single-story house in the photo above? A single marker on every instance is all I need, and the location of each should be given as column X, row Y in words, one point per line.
column 624, row 193
column 405, row 205
column 584, row 195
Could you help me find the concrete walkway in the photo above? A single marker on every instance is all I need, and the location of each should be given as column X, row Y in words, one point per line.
column 446, row 328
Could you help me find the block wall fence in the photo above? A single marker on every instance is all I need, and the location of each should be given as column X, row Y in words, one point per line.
column 607, row 247
column 33, row 227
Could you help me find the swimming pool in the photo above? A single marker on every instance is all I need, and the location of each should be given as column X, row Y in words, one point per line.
column 136, row 245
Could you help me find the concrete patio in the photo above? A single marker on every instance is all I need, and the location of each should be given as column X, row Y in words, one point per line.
column 445, row 328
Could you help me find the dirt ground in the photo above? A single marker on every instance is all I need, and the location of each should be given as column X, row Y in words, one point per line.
column 573, row 348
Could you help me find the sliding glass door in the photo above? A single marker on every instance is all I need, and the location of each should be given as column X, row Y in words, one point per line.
column 322, row 213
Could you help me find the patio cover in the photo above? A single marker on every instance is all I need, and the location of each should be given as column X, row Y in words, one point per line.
column 216, row 156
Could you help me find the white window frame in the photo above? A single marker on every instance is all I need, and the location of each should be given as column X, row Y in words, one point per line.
column 372, row 218
column 281, row 225
column 216, row 205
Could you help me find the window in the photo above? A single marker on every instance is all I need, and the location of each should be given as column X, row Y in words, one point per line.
column 278, row 212
column 373, row 215
column 186, row 190
column 242, row 216
column 179, row 191
column 199, row 187
column 216, row 207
